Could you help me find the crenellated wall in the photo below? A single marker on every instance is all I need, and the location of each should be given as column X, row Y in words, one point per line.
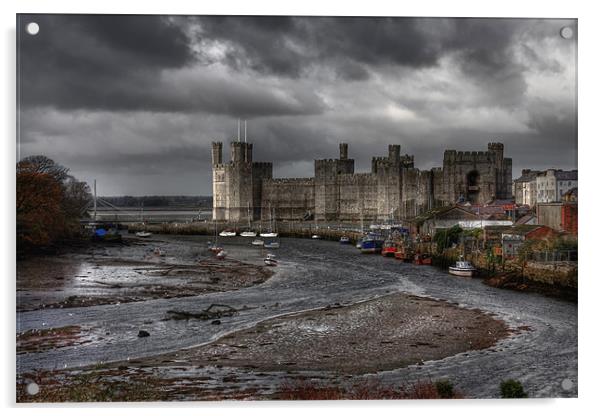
column 393, row 189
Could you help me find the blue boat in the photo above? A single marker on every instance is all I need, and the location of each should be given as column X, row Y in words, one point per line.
column 372, row 244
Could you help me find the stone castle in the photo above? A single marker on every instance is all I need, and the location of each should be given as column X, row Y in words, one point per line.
column 394, row 189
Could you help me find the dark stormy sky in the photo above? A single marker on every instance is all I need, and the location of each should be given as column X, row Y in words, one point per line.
column 135, row 101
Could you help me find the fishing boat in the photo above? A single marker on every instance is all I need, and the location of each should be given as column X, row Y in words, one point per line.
column 227, row 233
column 344, row 240
column 221, row 255
column 257, row 242
column 372, row 244
column 423, row 259
column 143, row 234
column 389, row 249
column 270, row 260
column 462, row 268
column 271, row 244
column 404, row 252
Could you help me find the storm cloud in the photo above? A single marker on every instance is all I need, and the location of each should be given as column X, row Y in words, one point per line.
column 134, row 101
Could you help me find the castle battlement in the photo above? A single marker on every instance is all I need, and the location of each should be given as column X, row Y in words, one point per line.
column 243, row 188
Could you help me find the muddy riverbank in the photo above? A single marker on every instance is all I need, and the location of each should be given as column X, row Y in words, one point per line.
column 336, row 342
column 335, row 303
column 99, row 275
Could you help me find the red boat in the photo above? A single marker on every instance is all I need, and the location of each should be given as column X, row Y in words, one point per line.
column 423, row 259
column 388, row 249
column 404, row 253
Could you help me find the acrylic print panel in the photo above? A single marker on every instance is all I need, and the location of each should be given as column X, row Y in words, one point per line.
column 267, row 208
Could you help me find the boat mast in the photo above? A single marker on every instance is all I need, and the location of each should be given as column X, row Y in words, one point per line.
column 94, row 200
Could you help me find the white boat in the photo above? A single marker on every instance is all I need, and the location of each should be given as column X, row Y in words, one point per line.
column 344, row 240
column 226, row 233
column 315, row 237
column 271, row 244
column 270, row 260
column 462, row 268
column 271, row 233
column 221, row 255
column 249, row 232
column 143, row 234
column 257, row 242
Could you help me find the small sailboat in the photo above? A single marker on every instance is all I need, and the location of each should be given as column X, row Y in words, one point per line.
column 270, row 260
column 213, row 246
column 271, row 233
column 228, row 233
column 143, row 234
column 315, row 237
column 462, row 268
column 249, row 232
column 258, row 242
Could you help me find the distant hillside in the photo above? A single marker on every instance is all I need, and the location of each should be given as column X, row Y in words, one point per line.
column 178, row 201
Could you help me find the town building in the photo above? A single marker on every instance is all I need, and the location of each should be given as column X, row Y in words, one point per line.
column 560, row 216
column 393, row 189
column 446, row 217
column 525, row 188
column 552, row 184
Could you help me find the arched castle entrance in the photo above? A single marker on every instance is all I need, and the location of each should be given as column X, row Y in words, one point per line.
column 473, row 186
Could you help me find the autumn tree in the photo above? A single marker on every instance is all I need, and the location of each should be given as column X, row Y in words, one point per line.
column 50, row 202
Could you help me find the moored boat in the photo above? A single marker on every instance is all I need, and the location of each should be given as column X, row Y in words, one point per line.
column 372, row 244
column 315, row 237
column 248, row 234
column 404, row 253
column 423, row 259
column 344, row 240
column 270, row 260
column 257, row 242
column 462, row 268
column 143, row 234
column 388, row 249
column 227, row 233
column 271, row 244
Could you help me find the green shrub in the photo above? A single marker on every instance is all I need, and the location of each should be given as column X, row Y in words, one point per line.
column 512, row 389
column 445, row 389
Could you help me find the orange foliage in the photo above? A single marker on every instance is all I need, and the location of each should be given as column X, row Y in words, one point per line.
column 40, row 219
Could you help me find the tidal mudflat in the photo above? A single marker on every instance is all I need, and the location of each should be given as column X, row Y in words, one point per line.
column 326, row 314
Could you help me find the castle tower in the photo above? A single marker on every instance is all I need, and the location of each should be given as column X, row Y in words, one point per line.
column 220, row 192
column 343, row 151
column 216, row 153
column 394, row 153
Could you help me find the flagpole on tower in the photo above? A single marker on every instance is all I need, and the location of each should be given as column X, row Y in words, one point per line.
column 245, row 131
column 239, row 130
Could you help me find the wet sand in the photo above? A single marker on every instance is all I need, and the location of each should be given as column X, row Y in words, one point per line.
column 70, row 281
column 382, row 334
